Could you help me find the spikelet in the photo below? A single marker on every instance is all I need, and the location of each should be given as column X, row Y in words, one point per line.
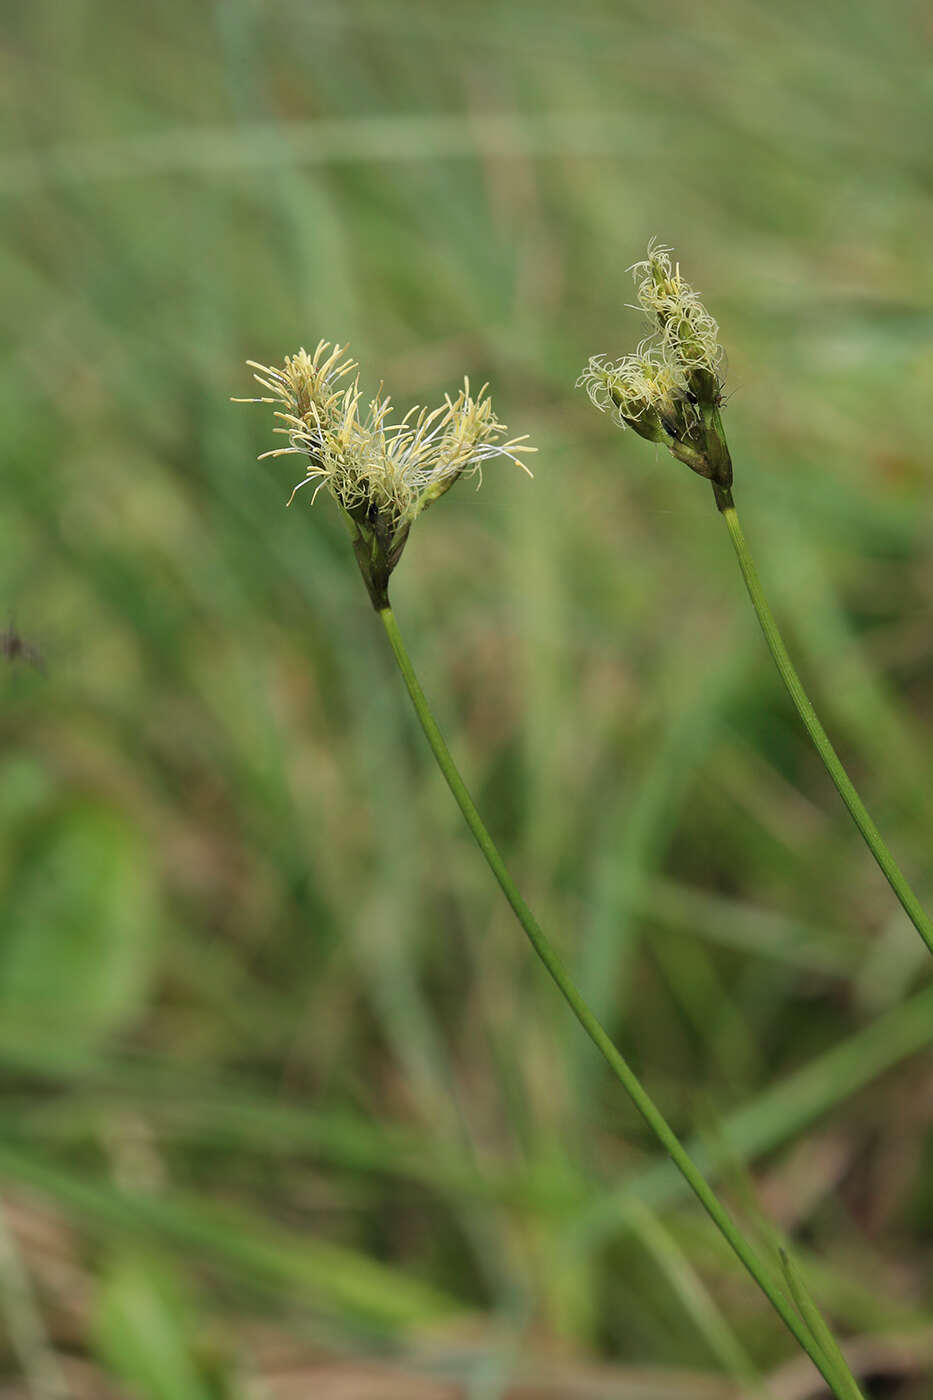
column 670, row 390
column 382, row 471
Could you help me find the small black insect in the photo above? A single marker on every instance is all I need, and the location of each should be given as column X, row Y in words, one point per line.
column 15, row 647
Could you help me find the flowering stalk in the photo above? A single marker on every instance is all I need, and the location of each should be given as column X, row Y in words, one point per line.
column 593, row 1027
column 833, row 764
column 814, row 1319
column 382, row 477
column 670, row 391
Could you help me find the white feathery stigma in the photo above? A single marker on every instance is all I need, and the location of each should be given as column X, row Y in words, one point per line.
column 657, row 384
column 630, row 389
column 396, row 468
column 687, row 335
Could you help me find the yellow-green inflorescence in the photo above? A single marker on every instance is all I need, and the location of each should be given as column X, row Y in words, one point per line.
column 670, row 390
column 382, row 473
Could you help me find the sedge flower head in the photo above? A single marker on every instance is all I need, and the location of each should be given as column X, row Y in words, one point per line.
column 670, row 390
column 382, row 471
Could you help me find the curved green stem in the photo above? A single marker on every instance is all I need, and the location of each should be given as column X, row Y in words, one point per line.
column 817, row 1325
column 600, row 1038
column 870, row 833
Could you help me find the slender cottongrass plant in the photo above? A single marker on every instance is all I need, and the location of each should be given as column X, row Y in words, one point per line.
column 670, row 392
column 383, row 473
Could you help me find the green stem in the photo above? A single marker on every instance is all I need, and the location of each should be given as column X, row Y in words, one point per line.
column 619, row 1066
column 848, row 1386
column 870, row 833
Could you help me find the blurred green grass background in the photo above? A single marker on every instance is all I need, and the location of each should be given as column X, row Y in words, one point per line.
column 286, row 1107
